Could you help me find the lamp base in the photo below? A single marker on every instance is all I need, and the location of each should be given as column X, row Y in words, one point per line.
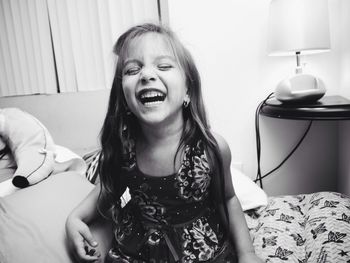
column 300, row 88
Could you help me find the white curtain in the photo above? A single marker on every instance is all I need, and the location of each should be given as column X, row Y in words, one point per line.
column 76, row 55
column 26, row 58
column 84, row 32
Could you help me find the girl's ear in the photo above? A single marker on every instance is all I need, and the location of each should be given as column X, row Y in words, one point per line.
column 187, row 100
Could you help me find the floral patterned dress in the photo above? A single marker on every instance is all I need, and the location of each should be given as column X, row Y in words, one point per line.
column 170, row 218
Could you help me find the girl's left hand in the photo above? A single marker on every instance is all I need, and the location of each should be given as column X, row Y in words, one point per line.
column 249, row 258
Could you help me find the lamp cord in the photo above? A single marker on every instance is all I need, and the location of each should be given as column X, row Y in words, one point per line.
column 257, row 136
column 259, row 176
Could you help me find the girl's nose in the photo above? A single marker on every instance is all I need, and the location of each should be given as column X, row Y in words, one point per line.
column 147, row 75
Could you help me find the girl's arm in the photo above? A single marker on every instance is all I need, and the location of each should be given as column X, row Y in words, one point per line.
column 78, row 232
column 239, row 232
column 87, row 209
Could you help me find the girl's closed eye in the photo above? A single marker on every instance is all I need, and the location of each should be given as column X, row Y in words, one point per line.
column 132, row 70
column 165, row 66
column 165, row 63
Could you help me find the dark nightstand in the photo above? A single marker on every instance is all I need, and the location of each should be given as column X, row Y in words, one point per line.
column 327, row 108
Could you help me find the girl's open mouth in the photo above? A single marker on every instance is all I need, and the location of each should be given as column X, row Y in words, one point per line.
column 150, row 97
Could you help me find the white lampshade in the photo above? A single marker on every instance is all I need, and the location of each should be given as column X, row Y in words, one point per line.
column 298, row 26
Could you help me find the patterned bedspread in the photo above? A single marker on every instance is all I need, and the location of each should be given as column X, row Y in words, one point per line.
column 302, row 228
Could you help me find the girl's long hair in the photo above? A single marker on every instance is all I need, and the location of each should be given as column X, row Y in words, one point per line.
column 115, row 136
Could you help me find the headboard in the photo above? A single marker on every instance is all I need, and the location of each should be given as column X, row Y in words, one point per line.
column 73, row 119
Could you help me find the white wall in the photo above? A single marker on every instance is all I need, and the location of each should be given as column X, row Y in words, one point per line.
column 228, row 40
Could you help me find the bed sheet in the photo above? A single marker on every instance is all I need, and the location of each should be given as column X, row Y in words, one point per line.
column 302, row 228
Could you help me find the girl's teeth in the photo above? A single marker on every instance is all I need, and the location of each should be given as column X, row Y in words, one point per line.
column 152, row 103
column 151, row 94
column 151, row 97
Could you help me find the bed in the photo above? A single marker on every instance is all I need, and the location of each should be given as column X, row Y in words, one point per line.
column 300, row 228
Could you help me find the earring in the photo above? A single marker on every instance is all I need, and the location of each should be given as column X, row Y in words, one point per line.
column 186, row 101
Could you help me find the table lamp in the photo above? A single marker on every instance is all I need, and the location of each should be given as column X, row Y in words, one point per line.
column 298, row 27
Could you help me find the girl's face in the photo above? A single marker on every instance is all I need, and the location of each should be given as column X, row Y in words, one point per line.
column 154, row 84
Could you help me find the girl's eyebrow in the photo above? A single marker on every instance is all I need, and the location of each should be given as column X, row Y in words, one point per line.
column 130, row 60
column 165, row 56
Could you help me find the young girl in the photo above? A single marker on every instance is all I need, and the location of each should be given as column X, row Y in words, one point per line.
column 156, row 141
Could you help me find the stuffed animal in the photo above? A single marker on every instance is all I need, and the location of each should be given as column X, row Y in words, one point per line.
column 31, row 145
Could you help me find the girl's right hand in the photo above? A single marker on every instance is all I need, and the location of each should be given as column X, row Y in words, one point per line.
column 80, row 240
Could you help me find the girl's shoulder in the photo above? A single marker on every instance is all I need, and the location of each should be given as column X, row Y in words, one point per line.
column 224, row 148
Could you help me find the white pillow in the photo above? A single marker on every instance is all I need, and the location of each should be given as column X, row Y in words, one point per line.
column 249, row 194
column 67, row 160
